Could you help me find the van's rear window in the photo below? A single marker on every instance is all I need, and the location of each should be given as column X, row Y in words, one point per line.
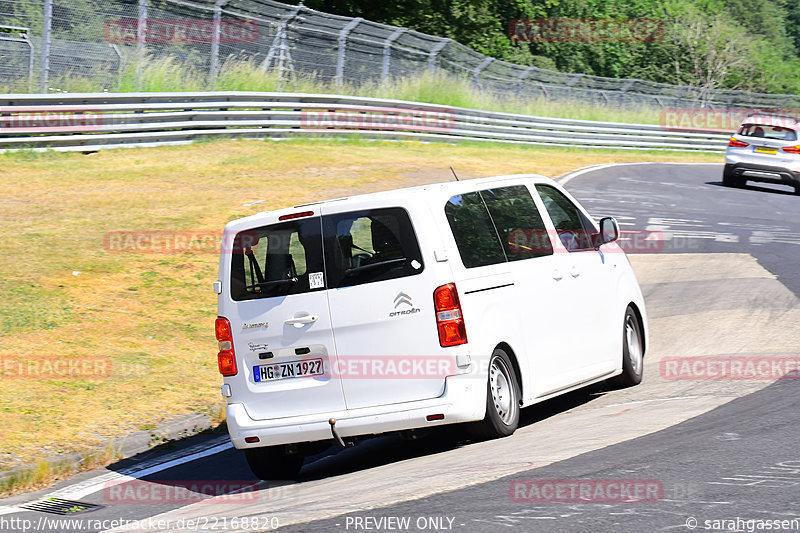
column 370, row 245
column 277, row 260
column 360, row 247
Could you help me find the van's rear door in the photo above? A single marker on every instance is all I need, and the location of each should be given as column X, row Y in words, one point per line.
column 280, row 320
column 381, row 307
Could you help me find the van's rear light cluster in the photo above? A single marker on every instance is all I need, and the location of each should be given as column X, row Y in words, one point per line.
column 792, row 149
column 737, row 143
column 449, row 318
column 296, row 215
column 225, row 358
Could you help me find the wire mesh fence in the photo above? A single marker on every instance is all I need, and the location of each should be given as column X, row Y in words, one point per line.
column 42, row 40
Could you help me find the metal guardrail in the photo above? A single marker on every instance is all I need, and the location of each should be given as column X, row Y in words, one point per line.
column 91, row 122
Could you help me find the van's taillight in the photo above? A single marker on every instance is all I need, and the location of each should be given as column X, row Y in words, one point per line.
column 792, row 149
column 737, row 143
column 225, row 358
column 449, row 319
column 296, row 215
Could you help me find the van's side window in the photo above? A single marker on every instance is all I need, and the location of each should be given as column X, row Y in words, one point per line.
column 276, row 260
column 575, row 230
column 473, row 230
column 372, row 245
column 518, row 222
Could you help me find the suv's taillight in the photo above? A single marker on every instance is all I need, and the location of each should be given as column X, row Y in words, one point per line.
column 449, row 319
column 792, row 149
column 225, row 358
column 737, row 143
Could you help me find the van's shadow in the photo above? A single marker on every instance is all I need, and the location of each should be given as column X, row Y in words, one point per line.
column 385, row 449
column 757, row 188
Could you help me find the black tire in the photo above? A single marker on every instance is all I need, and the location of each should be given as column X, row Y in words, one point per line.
column 272, row 462
column 632, row 352
column 502, row 399
column 729, row 180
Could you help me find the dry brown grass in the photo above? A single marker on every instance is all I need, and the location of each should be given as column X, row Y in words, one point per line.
column 153, row 314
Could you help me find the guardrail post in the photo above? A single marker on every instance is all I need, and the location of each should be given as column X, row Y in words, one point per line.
column 46, row 26
column 343, row 49
column 485, row 63
column 435, row 52
column 387, row 52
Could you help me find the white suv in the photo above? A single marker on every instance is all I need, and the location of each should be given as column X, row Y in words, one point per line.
column 414, row 308
column 765, row 148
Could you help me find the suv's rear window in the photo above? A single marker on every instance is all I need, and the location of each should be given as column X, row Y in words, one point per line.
column 360, row 247
column 778, row 133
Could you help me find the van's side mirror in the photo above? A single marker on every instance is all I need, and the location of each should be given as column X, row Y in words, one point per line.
column 609, row 231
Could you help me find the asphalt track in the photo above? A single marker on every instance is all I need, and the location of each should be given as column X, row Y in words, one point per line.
column 721, row 281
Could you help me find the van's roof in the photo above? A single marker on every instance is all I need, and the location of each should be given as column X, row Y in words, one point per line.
column 386, row 195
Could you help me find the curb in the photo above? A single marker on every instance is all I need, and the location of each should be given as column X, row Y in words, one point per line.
column 141, row 441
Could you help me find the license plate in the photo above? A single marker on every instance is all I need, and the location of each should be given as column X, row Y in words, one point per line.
column 763, row 150
column 288, row 370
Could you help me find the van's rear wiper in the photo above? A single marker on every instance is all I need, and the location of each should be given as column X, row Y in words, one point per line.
column 273, row 283
column 362, row 268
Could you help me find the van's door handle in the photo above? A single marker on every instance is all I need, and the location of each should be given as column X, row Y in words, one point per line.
column 299, row 321
column 574, row 272
column 557, row 275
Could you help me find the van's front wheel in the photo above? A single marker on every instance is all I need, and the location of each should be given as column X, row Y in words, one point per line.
column 502, row 399
column 272, row 462
column 632, row 352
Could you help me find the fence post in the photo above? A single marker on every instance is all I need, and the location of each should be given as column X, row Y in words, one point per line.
column 623, row 90
column 141, row 28
column 141, row 39
column 30, row 63
column 214, row 67
column 521, row 78
column 46, row 26
column 387, row 52
column 435, row 52
column 279, row 45
column 485, row 63
column 343, row 48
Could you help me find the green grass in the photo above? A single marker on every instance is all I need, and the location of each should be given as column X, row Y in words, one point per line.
column 170, row 75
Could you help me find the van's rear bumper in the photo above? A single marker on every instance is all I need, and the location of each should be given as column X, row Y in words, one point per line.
column 464, row 400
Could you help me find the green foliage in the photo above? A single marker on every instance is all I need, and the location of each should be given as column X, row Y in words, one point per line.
column 737, row 44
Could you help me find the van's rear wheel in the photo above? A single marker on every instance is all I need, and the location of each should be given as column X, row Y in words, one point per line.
column 632, row 352
column 502, row 399
column 272, row 462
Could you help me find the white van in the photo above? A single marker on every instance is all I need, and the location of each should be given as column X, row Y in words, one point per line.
column 413, row 308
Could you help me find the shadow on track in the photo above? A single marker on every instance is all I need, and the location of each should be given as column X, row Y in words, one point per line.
column 385, row 449
column 758, row 188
